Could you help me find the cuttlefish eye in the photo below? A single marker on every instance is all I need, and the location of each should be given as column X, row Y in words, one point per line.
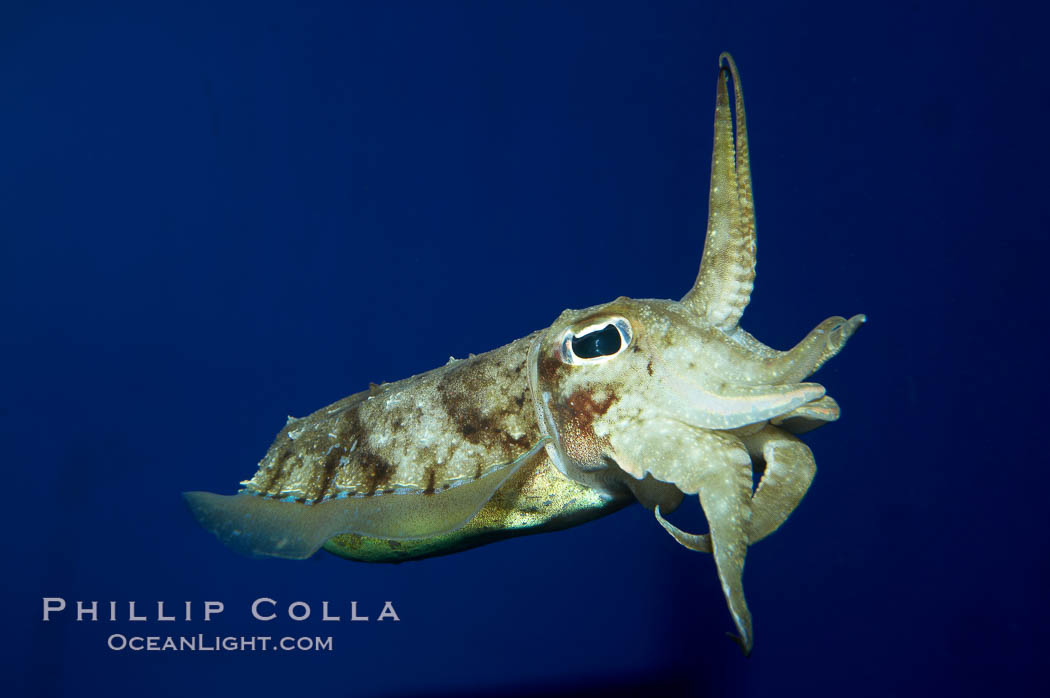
column 596, row 341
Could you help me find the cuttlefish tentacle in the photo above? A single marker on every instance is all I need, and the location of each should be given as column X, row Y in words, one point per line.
column 743, row 167
column 700, row 542
column 801, row 361
column 726, row 499
column 789, row 471
column 727, row 269
column 737, row 405
column 753, row 345
column 715, row 466
column 725, row 495
column 822, row 343
column 809, row 416
column 790, row 468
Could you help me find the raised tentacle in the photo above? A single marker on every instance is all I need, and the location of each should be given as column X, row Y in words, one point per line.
column 745, row 194
column 727, row 269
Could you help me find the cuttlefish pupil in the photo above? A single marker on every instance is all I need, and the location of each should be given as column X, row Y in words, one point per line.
column 596, row 341
column 605, row 342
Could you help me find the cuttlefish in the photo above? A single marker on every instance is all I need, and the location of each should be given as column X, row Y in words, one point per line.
column 634, row 400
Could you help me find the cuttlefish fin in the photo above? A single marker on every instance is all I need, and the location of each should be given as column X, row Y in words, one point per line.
column 727, row 269
column 258, row 526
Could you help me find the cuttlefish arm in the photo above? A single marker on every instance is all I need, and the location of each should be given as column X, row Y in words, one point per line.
column 727, row 269
column 735, row 518
column 726, row 278
column 809, row 416
column 822, row 343
column 789, row 471
column 716, row 467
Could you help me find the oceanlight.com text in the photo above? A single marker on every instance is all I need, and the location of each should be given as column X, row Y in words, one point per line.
column 217, row 643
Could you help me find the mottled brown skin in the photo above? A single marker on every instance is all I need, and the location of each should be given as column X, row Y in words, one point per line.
column 422, row 434
column 480, row 408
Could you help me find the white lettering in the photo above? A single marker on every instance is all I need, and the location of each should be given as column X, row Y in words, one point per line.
column 353, row 612
column 131, row 614
column 305, row 613
column 81, row 611
column 51, row 605
column 212, row 607
column 388, row 612
column 160, row 612
column 255, row 608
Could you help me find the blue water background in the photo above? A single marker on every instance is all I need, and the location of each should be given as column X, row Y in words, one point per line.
column 213, row 215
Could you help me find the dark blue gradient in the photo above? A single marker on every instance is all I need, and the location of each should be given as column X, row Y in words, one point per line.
column 213, row 215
